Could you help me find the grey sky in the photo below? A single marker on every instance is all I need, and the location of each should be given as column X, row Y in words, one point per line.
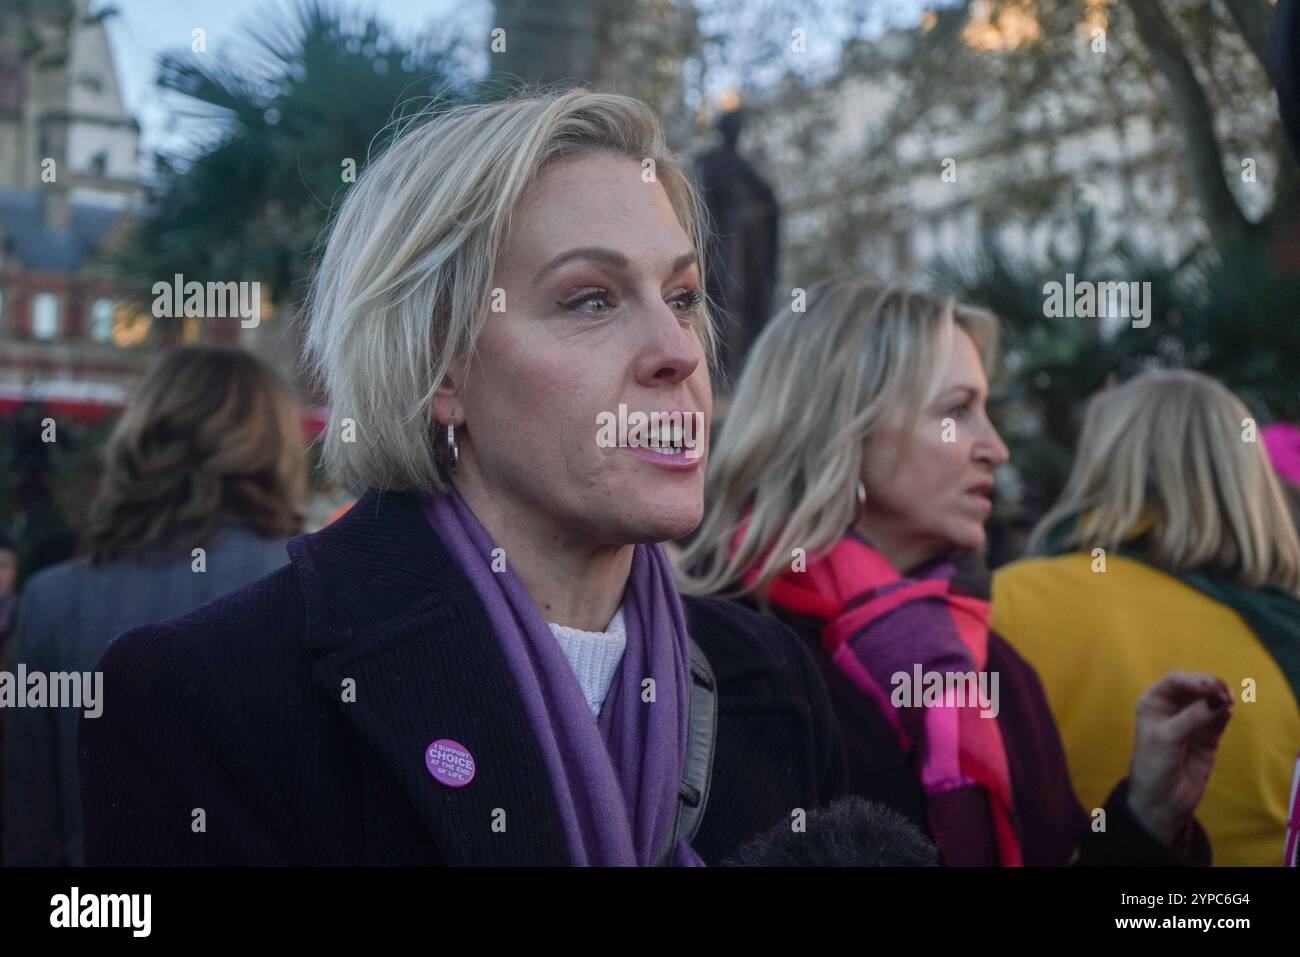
column 144, row 29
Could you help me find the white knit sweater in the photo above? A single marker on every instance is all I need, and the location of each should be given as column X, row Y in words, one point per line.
column 594, row 655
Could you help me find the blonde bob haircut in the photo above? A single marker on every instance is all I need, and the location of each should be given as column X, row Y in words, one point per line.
column 817, row 384
column 1169, row 454
column 405, row 282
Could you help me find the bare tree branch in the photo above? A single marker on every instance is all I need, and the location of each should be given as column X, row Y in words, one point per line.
column 1189, row 102
column 1254, row 18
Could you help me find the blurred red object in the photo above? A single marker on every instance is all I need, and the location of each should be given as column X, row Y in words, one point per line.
column 94, row 402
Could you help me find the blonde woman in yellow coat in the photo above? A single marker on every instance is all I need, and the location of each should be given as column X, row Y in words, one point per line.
column 1171, row 547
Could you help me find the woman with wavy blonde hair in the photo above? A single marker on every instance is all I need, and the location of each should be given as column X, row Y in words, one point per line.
column 203, row 478
column 848, row 492
column 1171, row 546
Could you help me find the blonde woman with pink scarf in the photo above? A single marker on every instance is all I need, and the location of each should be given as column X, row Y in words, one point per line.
column 848, row 493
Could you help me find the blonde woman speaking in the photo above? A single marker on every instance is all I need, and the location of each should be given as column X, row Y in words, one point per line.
column 486, row 661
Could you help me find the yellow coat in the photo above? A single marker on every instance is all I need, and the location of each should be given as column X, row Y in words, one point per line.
column 1099, row 639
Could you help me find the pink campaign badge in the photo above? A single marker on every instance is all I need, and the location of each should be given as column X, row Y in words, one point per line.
column 449, row 762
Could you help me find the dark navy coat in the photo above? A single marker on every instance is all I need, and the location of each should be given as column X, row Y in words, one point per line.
column 225, row 737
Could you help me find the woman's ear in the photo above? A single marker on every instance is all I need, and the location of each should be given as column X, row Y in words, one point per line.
column 448, row 404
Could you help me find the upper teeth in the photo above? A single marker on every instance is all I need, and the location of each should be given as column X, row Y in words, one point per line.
column 669, row 436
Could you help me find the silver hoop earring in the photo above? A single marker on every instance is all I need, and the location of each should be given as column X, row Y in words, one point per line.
column 862, row 494
column 453, row 450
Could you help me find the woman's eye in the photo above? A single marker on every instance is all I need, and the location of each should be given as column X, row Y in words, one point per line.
column 593, row 303
column 961, row 411
column 686, row 300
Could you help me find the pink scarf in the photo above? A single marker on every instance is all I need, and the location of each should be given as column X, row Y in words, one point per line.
column 852, row 589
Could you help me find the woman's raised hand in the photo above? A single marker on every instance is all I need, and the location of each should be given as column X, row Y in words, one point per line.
column 1179, row 721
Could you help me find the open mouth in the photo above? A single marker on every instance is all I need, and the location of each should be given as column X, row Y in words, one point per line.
column 674, row 438
column 667, row 438
column 670, row 441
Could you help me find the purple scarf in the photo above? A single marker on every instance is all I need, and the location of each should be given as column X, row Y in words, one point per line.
column 615, row 778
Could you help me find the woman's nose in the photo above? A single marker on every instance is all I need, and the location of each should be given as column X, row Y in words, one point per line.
column 991, row 448
column 671, row 352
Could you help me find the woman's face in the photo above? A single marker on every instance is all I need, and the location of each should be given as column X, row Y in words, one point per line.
column 600, row 295
column 929, row 487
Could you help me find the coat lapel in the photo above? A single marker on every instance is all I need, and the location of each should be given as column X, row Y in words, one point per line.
column 389, row 609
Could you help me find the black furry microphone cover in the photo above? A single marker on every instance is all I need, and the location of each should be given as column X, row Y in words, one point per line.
column 851, row 832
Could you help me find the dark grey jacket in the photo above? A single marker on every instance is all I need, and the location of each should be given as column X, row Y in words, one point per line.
column 236, row 709
column 69, row 614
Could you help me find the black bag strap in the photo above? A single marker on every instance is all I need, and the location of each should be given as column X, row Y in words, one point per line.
column 701, row 730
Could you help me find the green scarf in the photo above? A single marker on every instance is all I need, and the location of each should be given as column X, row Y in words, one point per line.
column 1273, row 615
